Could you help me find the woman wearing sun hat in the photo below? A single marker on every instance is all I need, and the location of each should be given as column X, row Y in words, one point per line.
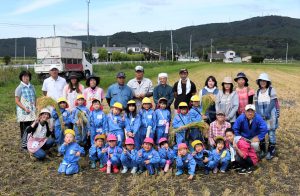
column 93, row 91
column 227, row 100
column 72, row 89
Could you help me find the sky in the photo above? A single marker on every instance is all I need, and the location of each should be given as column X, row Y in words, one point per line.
column 36, row 18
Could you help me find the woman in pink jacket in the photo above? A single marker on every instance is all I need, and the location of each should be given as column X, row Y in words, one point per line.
column 241, row 152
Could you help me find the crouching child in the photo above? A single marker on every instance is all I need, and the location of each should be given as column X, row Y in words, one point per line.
column 128, row 157
column 200, row 154
column 185, row 160
column 72, row 152
column 95, row 152
column 166, row 155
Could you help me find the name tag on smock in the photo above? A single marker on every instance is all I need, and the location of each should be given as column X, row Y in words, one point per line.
column 150, row 116
column 99, row 116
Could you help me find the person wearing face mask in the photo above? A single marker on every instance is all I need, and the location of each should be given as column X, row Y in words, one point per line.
column 183, row 89
column 93, row 91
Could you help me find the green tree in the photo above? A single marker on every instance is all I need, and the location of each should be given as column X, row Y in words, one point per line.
column 7, row 59
column 102, row 54
column 130, row 51
column 116, row 56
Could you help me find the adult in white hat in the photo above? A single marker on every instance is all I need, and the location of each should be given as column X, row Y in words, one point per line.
column 163, row 89
column 140, row 86
column 54, row 85
column 227, row 100
column 251, row 126
column 267, row 106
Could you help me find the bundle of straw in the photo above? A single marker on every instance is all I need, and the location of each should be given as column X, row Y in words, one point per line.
column 202, row 126
column 207, row 101
column 44, row 102
column 81, row 116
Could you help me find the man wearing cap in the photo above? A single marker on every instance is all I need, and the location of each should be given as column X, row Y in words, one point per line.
column 183, row 89
column 54, row 85
column 140, row 86
column 251, row 126
column 119, row 92
column 163, row 89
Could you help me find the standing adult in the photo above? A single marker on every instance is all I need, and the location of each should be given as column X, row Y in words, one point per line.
column 183, row 89
column 93, row 91
column 211, row 87
column 227, row 100
column 163, row 90
column 25, row 98
column 72, row 89
column 140, row 86
column 119, row 92
column 245, row 93
column 53, row 86
column 266, row 103
column 251, row 126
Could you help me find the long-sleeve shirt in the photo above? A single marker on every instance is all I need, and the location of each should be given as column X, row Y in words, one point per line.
column 258, row 127
column 195, row 113
column 148, row 118
column 167, row 154
column 165, row 91
column 151, row 155
column 97, row 121
column 228, row 103
column 69, row 151
column 114, row 123
column 186, row 161
column 181, row 120
column 162, row 117
column 132, row 124
column 65, row 115
column 215, row 131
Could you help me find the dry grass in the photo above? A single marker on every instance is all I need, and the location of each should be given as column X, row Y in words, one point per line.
column 20, row 176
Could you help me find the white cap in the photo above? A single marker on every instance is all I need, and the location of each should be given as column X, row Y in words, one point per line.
column 45, row 110
column 250, row 107
column 53, row 67
column 139, row 68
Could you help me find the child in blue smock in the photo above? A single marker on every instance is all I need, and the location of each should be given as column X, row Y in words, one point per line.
column 61, row 122
column 132, row 122
column 200, row 154
column 128, row 157
column 148, row 157
column 80, row 117
column 163, row 118
column 113, row 153
column 185, row 160
column 115, row 123
column 148, row 121
column 219, row 157
column 181, row 119
column 72, row 152
column 97, row 120
column 195, row 114
column 166, row 154
column 95, row 152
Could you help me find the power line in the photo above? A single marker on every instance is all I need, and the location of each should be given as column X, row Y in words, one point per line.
column 23, row 25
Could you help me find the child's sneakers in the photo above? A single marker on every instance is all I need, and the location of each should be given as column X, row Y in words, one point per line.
column 222, row 171
column 179, row 172
column 215, row 170
column 93, row 164
column 245, row 171
column 115, row 169
column 134, row 170
column 103, row 169
column 124, row 171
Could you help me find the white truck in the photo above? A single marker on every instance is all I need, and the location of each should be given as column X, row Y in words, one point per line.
column 65, row 53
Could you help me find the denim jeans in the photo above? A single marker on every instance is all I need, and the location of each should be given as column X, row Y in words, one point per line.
column 272, row 136
column 41, row 154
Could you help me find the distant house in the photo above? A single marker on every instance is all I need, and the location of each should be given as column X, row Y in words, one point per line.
column 225, row 55
column 247, row 59
column 138, row 48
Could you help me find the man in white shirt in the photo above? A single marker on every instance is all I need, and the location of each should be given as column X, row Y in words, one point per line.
column 54, row 85
column 140, row 86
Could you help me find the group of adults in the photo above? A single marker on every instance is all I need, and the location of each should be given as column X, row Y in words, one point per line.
column 253, row 123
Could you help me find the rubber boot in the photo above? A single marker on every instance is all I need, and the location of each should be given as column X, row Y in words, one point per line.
column 271, row 151
column 262, row 146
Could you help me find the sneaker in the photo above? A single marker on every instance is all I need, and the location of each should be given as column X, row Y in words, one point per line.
column 100, row 165
column 140, row 172
column 103, row 169
column 242, row 171
column 262, row 155
column 93, row 164
column 249, row 170
column 134, row 170
column 206, row 172
column 269, row 156
column 115, row 169
column 222, row 171
column 124, row 171
column 178, row 173
column 215, row 170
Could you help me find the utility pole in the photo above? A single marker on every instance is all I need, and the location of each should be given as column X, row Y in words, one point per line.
column 166, row 53
column 202, row 54
column 24, row 52
column 107, row 42
column 286, row 53
column 54, row 30
column 88, row 22
column 211, row 40
column 15, row 50
column 190, row 47
column 172, row 46
column 159, row 51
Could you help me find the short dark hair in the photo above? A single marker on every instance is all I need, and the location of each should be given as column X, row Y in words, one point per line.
column 229, row 130
column 25, row 73
column 220, row 141
column 268, row 84
column 231, row 87
column 96, row 101
column 213, row 79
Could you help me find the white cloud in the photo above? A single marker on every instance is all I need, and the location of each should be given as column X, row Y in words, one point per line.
column 33, row 6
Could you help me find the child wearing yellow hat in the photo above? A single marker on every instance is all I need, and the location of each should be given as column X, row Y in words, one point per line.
column 195, row 113
column 95, row 152
column 72, row 152
column 80, row 117
column 200, row 155
column 62, row 121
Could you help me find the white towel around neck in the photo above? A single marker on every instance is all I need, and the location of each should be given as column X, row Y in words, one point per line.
column 188, row 87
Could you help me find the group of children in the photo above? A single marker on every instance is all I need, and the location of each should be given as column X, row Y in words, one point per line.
column 146, row 145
